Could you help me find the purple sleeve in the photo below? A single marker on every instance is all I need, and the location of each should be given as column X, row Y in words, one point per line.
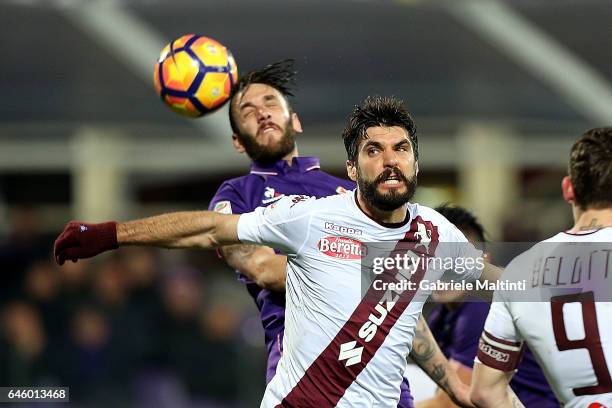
column 228, row 200
column 467, row 331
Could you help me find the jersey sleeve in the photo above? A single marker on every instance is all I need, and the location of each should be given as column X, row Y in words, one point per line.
column 228, row 200
column 500, row 345
column 282, row 225
column 468, row 260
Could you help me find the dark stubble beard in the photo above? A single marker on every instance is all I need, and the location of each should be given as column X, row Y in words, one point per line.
column 391, row 200
column 269, row 154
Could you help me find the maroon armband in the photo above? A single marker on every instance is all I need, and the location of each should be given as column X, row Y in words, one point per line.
column 498, row 353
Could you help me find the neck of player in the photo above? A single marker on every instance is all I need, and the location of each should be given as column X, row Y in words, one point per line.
column 592, row 219
column 289, row 158
column 386, row 217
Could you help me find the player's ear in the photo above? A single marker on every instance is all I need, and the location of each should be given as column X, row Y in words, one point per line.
column 568, row 190
column 351, row 170
column 416, row 168
column 237, row 143
column 295, row 121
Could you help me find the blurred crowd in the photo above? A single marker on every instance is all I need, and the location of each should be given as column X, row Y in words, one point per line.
column 129, row 329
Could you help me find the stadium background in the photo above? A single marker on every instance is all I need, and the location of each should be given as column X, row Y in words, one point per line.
column 499, row 89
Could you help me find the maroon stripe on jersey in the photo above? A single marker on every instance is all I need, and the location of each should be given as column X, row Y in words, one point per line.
column 502, row 341
column 329, row 376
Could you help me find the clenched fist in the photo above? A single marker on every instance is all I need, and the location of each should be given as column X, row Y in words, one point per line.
column 80, row 240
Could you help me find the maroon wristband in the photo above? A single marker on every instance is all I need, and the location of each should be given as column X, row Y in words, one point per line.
column 107, row 235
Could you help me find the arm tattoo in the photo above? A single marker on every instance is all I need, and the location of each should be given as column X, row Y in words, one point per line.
column 423, row 350
column 438, row 373
column 426, row 354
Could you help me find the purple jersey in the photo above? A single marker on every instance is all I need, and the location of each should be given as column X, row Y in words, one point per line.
column 458, row 331
column 261, row 187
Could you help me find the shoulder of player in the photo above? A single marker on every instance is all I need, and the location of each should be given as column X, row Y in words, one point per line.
column 429, row 214
column 302, row 204
column 233, row 191
column 232, row 186
column 347, row 184
column 538, row 249
column 241, row 181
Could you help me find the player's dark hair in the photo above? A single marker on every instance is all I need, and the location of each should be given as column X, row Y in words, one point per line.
column 377, row 111
column 279, row 75
column 462, row 219
column 590, row 169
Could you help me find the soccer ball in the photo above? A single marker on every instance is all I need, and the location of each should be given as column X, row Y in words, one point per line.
column 194, row 75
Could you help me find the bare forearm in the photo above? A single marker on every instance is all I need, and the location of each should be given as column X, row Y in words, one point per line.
column 490, row 388
column 427, row 354
column 188, row 229
column 441, row 398
column 260, row 264
column 498, row 399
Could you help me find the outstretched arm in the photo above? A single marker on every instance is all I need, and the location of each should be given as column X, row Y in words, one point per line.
column 427, row 354
column 189, row 229
column 260, row 264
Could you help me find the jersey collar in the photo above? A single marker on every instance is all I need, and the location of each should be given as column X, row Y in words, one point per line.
column 300, row 164
column 409, row 214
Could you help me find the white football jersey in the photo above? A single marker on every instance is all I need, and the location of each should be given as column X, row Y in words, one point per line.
column 569, row 329
column 342, row 348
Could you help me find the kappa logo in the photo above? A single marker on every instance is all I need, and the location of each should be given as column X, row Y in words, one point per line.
column 342, row 248
column 342, row 229
column 423, row 235
column 271, row 196
column 493, row 353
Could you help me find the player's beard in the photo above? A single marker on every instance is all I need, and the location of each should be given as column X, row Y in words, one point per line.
column 391, row 200
column 268, row 154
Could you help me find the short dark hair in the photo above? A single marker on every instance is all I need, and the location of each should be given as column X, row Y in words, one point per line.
column 377, row 111
column 279, row 75
column 590, row 169
column 462, row 219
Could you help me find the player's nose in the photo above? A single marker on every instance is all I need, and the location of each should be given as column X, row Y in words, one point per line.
column 263, row 114
column 390, row 158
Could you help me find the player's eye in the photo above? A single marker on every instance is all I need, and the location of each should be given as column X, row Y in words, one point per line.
column 372, row 151
column 247, row 113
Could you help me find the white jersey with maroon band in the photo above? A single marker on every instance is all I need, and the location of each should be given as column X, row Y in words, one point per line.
column 339, row 349
column 570, row 329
